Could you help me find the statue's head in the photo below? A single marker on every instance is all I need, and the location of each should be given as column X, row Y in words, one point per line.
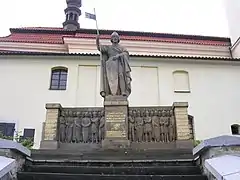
column 115, row 38
column 94, row 114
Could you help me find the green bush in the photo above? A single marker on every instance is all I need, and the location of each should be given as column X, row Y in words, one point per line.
column 28, row 142
column 197, row 142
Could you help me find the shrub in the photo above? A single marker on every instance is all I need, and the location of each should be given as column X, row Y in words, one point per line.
column 26, row 142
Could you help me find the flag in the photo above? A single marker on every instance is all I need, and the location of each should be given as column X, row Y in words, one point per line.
column 90, row 16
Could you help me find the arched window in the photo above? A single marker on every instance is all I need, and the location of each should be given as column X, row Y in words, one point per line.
column 181, row 81
column 59, row 78
column 75, row 17
column 71, row 16
column 235, row 128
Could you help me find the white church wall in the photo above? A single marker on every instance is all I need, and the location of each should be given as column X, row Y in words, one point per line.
column 213, row 98
column 236, row 49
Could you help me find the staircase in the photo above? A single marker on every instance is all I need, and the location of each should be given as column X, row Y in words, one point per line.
column 111, row 165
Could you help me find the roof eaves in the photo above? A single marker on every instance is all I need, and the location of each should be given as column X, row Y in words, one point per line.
column 12, row 53
column 121, row 32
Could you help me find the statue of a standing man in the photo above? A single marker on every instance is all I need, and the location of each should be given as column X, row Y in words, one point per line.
column 115, row 69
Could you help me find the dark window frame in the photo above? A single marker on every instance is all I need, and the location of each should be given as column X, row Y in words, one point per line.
column 235, row 129
column 59, row 76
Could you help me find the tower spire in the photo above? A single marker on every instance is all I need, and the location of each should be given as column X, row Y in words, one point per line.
column 72, row 14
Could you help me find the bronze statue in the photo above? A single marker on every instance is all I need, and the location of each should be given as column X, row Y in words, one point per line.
column 115, row 69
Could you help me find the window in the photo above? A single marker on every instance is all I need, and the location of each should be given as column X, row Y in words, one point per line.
column 235, row 128
column 28, row 133
column 181, row 82
column 7, row 129
column 59, row 78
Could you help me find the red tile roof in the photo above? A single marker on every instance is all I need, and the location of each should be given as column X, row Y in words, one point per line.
column 56, row 35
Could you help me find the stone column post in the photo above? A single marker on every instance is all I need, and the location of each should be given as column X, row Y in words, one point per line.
column 51, row 126
column 116, row 113
column 182, row 126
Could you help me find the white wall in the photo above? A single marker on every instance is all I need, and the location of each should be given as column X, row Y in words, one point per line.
column 214, row 99
column 232, row 8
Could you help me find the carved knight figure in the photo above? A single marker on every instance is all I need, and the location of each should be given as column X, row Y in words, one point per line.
column 102, row 126
column 172, row 127
column 131, row 125
column 74, row 126
column 156, row 126
column 115, row 69
column 165, row 121
column 139, row 126
column 62, row 127
column 78, row 127
column 69, row 127
column 148, row 127
column 160, row 114
column 95, row 127
column 86, row 122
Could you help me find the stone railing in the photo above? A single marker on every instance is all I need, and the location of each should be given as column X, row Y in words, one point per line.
column 143, row 124
column 151, row 124
column 219, row 157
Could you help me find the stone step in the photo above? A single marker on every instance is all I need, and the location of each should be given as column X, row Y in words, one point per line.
column 113, row 163
column 64, row 176
column 134, row 170
column 112, row 155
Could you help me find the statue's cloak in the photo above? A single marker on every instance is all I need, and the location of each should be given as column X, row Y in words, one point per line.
column 111, row 70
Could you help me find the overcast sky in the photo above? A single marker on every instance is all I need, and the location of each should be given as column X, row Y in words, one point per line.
column 198, row 17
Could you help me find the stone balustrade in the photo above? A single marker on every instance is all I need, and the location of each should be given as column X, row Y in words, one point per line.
column 156, row 124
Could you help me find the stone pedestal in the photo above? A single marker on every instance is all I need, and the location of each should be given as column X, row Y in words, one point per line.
column 183, row 138
column 116, row 113
column 50, row 127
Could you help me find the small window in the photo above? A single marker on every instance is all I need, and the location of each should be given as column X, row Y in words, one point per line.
column 59, row 78
column 235, row 128
column 7, row 130
column 28, row 133
column 181, row 82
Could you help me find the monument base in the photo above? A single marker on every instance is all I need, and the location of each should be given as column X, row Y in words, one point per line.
column 116, row 113
column 115, row 143
column 49, row 144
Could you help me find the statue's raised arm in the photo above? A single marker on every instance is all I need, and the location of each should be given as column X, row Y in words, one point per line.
column 116, row 78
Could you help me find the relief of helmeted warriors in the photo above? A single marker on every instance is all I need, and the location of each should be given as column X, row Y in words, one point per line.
column 139, row 126
column 131, row 125
column 95, row 127
column 62, row 127
column 86, row 122
column 69, row 127
column 102, row 126
column 156, row 126
column 147, row 126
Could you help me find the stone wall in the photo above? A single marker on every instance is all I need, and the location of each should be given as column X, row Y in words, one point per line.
column 161, row 124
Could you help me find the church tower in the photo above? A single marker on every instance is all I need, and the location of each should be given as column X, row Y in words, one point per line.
column 72, row 14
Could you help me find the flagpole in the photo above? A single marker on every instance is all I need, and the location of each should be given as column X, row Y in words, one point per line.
column 101, row 58
column 96, row 22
